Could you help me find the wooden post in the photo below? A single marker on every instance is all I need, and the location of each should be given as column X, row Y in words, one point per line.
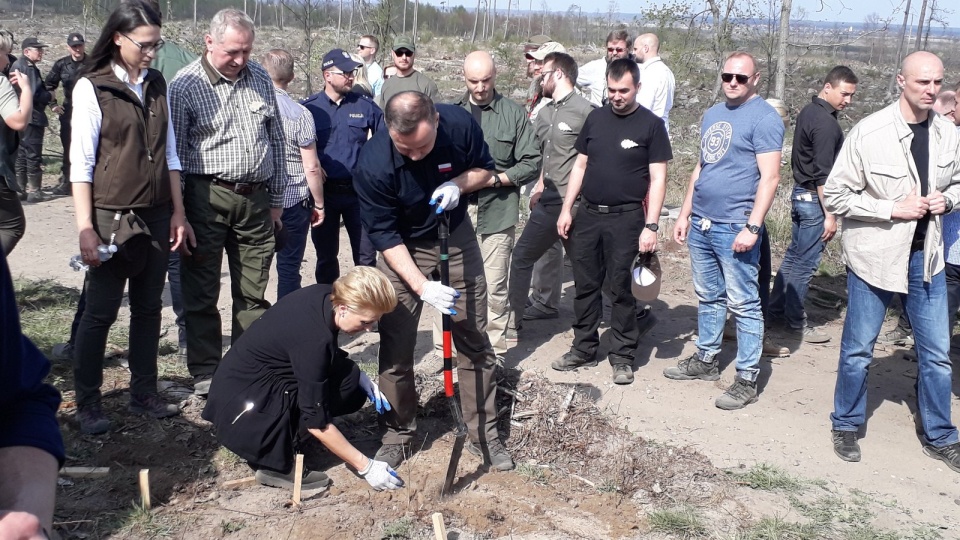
column 145, row 488
column 297, row 479
column 438, row 528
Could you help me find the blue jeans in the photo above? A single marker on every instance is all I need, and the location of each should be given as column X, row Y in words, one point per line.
column 296, row 220
column 800, row 261
column 926, row 305
column 326, row 237
column 723, row 278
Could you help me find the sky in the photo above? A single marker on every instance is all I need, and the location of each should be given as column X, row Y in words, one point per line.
column 816, row 10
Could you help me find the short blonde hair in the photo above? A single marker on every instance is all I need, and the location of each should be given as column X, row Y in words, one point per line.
column 360, row 75
column 365, row 288
column 279, row 65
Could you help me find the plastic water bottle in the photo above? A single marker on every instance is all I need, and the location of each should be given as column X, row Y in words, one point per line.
column 104, row 251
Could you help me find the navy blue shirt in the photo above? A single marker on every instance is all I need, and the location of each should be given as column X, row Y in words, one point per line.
column 342, row 131
column 395, row 191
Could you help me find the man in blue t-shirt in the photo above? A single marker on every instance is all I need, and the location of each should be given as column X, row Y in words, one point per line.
column 730, row 192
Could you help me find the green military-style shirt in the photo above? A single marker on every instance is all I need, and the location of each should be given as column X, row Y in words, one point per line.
column 513, row 145
column 558, row 126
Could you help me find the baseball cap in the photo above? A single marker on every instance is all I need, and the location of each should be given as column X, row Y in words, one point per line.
column 75, row 39
column 545, row 49
column 339, row 59
column 645, row 277
column 404, row 42
column 32, row 43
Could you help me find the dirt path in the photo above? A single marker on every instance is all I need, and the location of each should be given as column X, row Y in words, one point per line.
column 788, row 427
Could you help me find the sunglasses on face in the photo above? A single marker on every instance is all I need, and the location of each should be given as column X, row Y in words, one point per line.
column 361, row 46
column 403, row 52
column 741, row 78
column 616, row 49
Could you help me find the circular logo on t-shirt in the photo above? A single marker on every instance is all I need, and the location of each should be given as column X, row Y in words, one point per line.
column 716, row 141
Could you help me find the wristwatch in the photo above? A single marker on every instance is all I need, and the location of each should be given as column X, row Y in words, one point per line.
column 754, row 229
column 652, row 226
column 496, row 181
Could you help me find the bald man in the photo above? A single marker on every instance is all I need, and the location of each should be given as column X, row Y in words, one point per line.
column 657, row 81
column 495, row 210
column 897, row 174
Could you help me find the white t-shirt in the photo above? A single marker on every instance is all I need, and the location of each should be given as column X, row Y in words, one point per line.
column 657, row 85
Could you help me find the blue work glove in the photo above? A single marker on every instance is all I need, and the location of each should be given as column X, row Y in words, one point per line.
column 446, row 197
column 380, row 476
column 373, row 392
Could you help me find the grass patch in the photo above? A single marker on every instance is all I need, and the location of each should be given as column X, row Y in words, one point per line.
column 777, row 528
column 401, row 528
column 141, row 523
column 226, row 457
column 227, row 527
column 683, row 521
column 533, row 472
column 769, row 478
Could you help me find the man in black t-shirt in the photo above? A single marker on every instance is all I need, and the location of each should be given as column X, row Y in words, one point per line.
column 623, row 153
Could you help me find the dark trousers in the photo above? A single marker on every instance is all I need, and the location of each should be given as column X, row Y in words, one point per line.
column 65, row 141
column 240, row 225
column 326, row 237
column 603, row 246
column 539, row 236
column 476, row 363
column 12, row 222
column 296, row 220
column 104, row 295
column 29, row 158
column 176, row 297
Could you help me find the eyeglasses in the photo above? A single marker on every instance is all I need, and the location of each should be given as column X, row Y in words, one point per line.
column 741, row 78
column 344, row 74
column 544, row 74
column 403, row 52
column 616, row 49
column 361, row 46
column 145, row 48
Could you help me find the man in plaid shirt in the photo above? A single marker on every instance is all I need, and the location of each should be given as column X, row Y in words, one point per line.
column 224, row 110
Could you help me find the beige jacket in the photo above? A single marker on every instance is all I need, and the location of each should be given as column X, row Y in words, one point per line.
column 874, row 170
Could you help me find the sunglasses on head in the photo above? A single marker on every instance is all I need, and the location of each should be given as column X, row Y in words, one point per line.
column 741, row 78
column 615, row 49
column 404, row 52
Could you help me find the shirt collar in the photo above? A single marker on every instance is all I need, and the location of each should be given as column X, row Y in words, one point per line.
column 214, row 75
column 650, row 62
column 494, row 104
column 443, row 140
column 826, row 105
column 124, row 76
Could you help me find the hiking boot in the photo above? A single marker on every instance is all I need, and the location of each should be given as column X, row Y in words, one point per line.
column 309, row 479
column 949, row 454
column 152, row 405
column 773, row 350
column 809, row 334
column 202, row 387
column 622, row 374
column 92, row 420
column 740, row 394
column 646, row 320
column 845, row 445
column 62, row 352
column 571, row 361
column 63, row 188
column 499, row 457
column 692, row 368
column 898, row 336
column 532, row 313
column 394, row 454
column 35, row 197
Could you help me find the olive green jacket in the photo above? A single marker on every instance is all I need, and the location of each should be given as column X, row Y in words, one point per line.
column 513, row 145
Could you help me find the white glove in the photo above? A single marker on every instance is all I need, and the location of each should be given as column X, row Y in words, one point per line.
column 380, row 476
column 440, row 296
column 446, row 197
column 373, row 392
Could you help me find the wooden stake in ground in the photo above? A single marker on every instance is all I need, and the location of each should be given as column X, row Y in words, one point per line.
column 438, row 528
column 85, row 472
column 297, row 478
column 145, row 488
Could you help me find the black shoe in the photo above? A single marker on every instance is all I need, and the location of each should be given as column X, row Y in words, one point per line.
column 532, row 313
column 846, row 447
column 949, row 454
column 92, row 420
column 499, row 458
column 622, row 374
column 394, row 454
column 62, row 189
column 152, row 405
column 571, row 361
column 310, row 479
column 202, row 387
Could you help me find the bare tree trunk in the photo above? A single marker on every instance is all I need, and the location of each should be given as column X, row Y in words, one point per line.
column 476, row 19
column 339, row 21
column 169, row 14
column 493, row 19
column 32, row 2
column 486, row 15
column 194, row 13
column 506, row 24
column 780, row 76
column 926, row 34
column 404, row 31
column 529, row 18
column 923, row 13
column 350, row 21
column 896, row 67
column 416, row 22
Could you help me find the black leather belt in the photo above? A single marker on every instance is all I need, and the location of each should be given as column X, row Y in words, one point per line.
column 615, row 209
column 240, row 188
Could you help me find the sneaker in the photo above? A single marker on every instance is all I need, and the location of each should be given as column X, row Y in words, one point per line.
column 394, row 454
column 898, row 337
column 309, row 479
column 740, row 394
column 773, row 350
column 510, row 335
column 646, row 320
column 35, row 197
column 949, row 454
column 499, row 457
column 571, row 361
column 809, row 334
column 152, row 405
column 92, row 420
column 622, row 374
column 532, row 313
column 202, row 387
column 62, row 352
column 693, row 368
column 845, row 445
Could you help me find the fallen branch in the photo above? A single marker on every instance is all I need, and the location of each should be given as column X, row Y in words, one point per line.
column 566, row 405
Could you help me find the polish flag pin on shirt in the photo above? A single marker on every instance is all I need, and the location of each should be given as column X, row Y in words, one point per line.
column 445, row 167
